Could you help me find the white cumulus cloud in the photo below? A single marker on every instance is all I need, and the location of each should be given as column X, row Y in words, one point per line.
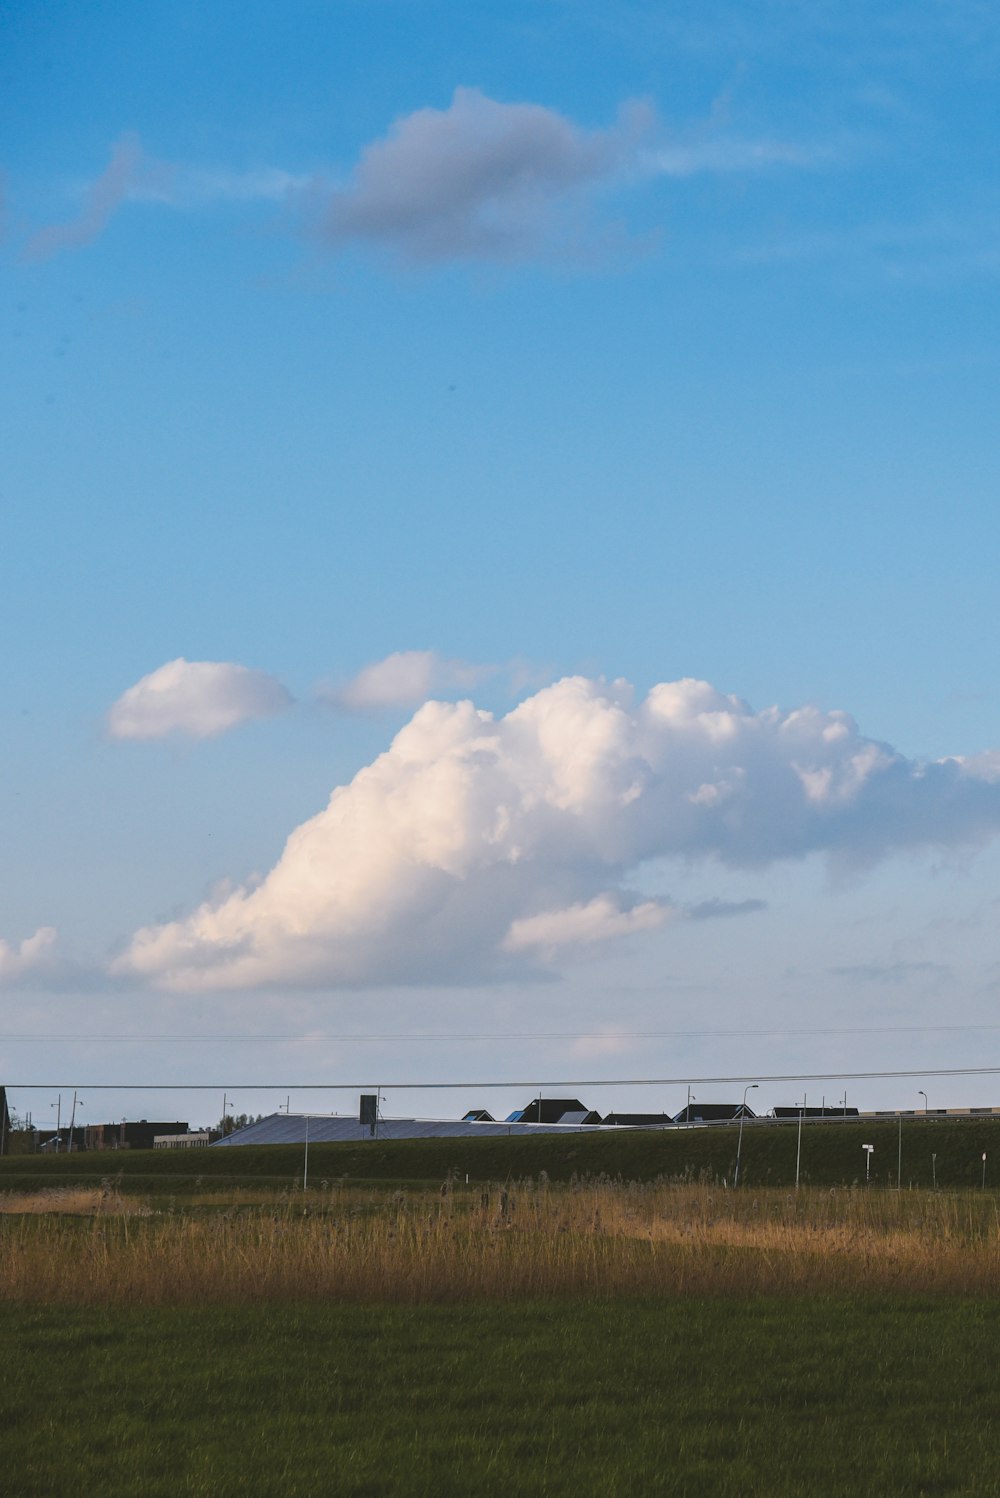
column 34, row 954
column 476, row 845
column 195, row 699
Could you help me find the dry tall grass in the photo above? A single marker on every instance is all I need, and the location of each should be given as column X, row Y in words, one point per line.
column 74, row 1201
column 526, row 1240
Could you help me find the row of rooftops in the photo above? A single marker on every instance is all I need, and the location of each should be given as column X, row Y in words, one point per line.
column 565, row 1110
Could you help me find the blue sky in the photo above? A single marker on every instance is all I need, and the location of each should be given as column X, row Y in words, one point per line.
column 505, row 346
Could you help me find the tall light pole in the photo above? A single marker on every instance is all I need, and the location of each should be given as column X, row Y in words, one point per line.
column 739, row 1144
column 922, row 1093
column 798, row 1152
column 687, row 1110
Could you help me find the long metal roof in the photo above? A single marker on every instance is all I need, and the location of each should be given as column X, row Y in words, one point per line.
column 324, row 1128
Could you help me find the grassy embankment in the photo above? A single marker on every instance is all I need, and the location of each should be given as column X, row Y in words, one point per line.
column 831, row 1156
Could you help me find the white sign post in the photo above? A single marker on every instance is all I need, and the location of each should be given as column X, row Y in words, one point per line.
column 869, row 1150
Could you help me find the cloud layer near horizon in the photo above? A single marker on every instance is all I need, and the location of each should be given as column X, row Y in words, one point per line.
column 195, row 699
column 477, row 847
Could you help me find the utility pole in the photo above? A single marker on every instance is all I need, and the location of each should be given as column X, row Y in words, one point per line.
column 798, row 1152
column 739, row 1143
column 72, row 1121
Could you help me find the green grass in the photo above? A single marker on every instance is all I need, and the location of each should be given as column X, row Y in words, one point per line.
column 831, row 1156
column 816, row 1397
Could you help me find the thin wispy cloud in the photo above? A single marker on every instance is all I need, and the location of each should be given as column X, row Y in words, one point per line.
column 193, row 187
column 403, row 679
column 891, row 972
column 727, row 153
column 582, row 925
column 100, row 201
column 196, row 700
column 478, row 847
column 722, row 910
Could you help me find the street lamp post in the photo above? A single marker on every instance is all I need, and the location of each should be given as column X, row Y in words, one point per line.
column 922, row 1093
column 739, row 1143
column 687, row 1110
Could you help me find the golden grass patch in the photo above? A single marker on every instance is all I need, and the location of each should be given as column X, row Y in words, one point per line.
column 522, row 1240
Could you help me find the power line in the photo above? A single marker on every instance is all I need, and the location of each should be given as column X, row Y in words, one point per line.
column 534, row 1083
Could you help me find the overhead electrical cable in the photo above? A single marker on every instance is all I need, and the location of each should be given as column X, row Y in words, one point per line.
column 685, row 1079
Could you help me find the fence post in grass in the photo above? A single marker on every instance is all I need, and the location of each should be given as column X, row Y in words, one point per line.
column 934, row 1171
column 984, row 1170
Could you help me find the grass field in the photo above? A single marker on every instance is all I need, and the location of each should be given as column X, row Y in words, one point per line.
column 842, row 1396
column 166, row 1332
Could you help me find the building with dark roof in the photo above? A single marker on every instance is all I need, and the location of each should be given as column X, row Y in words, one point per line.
column 552, row 1110
column 810, row 1111
column 713, row 1112
column 638, row 1120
